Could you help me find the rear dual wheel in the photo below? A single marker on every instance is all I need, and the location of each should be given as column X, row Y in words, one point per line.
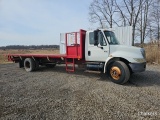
column 30, row 65
column 118, row 72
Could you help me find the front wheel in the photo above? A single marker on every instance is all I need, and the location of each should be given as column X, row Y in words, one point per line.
column 118, row 72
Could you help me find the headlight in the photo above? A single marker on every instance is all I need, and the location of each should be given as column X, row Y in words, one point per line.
column 140, row 60
column 143, row 53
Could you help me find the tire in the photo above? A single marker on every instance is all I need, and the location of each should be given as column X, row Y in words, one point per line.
column 118, row 72
column 50, row 65
column 29, row 64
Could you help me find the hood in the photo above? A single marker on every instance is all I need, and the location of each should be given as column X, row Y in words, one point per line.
column 127, row 52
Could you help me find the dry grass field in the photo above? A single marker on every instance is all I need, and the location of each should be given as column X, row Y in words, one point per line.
column 152, row 53
column 3, row 53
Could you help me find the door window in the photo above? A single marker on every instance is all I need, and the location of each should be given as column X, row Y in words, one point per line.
column 101, row 39
column 91, row 38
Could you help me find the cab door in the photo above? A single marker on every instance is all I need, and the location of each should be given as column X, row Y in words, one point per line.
column 98, row 52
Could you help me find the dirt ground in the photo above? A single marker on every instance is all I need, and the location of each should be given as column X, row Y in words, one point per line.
column 51, row 93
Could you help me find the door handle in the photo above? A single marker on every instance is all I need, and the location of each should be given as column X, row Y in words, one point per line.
column 89, row 53
column 105, row 51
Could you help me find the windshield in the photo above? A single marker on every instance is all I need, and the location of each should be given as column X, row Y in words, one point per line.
column 111, row 38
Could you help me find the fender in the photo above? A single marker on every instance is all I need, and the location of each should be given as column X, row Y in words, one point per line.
column 107, row 60
column 117, row 58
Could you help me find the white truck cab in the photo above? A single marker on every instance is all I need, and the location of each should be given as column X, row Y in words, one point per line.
column 103, row 51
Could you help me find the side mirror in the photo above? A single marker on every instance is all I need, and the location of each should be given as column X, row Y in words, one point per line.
column 96, row 37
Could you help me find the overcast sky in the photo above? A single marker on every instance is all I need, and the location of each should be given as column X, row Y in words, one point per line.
column 40, row 22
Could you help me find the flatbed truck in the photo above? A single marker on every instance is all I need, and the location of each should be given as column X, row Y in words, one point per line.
column 96, row 50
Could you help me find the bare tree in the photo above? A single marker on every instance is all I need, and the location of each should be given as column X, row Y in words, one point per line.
column 143, row 25
column 103, row 11
column 121, row 13
column 155, row 14
column 130, row 10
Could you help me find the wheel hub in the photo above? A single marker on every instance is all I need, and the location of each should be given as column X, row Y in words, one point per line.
column 115, row 73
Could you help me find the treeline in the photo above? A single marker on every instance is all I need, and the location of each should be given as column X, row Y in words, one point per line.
column 30, row 47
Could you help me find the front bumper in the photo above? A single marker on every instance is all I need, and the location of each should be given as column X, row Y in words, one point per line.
column 138, row 67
